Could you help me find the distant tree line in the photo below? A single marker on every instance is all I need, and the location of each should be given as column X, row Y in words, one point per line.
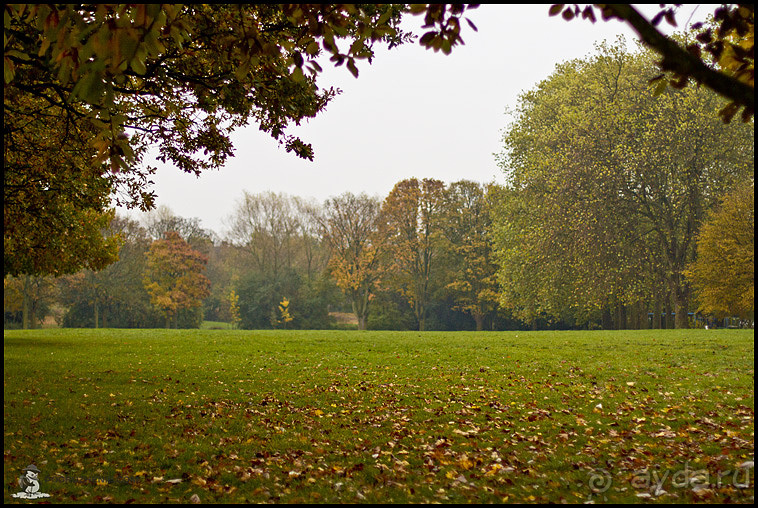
column 420, row 259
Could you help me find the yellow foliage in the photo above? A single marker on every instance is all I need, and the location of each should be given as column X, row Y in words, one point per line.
column 285, row 316
column 723, row 274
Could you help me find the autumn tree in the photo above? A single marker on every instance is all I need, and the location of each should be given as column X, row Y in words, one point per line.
column 55, row 200
column 724, row 272
column 411, row 227
column 174, row 277
column 350, row 227
column 113, row 296
column 612, row 191
column 284, row 317
column 466, row 225
column 234, row 309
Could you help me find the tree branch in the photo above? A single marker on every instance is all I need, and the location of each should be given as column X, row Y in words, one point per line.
column 680, row 61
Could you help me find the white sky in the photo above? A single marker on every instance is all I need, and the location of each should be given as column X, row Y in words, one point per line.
column 411, row 113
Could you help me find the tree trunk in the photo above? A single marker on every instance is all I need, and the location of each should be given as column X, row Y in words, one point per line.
column 97, row 312
column 639, row 309
column 360, row 304
column 25, row 309
column 362, row 314
column 657, row 310
column 420, row 316
column 681, row 307
column 632, row 316
column 607, row 318
column 621, row 317
column 479, row 319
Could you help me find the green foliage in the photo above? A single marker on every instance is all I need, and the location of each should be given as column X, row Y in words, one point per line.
column 606, row 195
column 80, row 314
column 55, row 201
column 261, row 295
column 390, row 311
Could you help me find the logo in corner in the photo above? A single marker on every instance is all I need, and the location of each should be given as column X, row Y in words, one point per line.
column 29, row 484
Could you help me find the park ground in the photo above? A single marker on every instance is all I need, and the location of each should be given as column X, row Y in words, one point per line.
column 377, row 417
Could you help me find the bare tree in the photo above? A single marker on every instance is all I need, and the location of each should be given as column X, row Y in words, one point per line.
column 266, row 226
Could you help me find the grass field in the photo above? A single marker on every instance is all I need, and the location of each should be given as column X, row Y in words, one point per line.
column 379, row 417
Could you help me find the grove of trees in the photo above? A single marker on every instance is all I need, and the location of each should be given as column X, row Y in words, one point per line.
column 608, row 186
column 316, row 258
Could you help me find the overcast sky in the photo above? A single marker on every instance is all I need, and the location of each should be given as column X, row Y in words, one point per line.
column 411, row 113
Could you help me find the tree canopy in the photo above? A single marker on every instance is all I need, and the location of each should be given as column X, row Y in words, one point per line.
column 467, row 228
column 349, row 224
column 109, row 81
column 723, row 274
column 54, row 198
column 411, row 226
column 174, row 276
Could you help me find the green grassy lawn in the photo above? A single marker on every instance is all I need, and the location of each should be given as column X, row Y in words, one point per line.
column 378, row 417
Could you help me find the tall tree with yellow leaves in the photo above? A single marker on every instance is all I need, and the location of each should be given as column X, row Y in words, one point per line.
column 723, row 275
column 411, row 225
